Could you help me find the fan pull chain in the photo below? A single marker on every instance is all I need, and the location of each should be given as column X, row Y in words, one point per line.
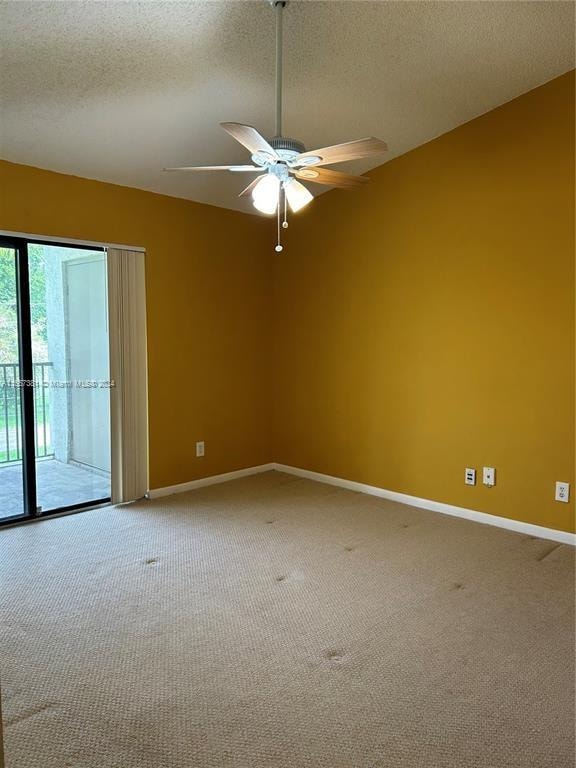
column 285, row 222
column 279, row 245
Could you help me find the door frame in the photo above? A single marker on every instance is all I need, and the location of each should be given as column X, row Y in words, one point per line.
column 31, row 511
column 66, row 295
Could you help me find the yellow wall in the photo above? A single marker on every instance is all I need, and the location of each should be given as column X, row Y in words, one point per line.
column 426, row 323
column 208, row 302
column 421, row 325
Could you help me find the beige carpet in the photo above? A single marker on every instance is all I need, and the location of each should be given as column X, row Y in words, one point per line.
column 273, row 621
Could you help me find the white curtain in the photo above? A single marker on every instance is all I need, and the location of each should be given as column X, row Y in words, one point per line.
column 128, row 371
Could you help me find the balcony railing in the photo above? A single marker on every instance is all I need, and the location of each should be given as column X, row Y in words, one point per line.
column 11, row 412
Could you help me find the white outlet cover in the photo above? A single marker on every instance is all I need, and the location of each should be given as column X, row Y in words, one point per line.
column 470, row 476
column 489, row 476
column 200, row 448
column 562, row 492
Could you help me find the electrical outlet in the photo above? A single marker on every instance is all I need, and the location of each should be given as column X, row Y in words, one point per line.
column 470, row 476
column 200, row 448
column 489, row 476
column 562, row 492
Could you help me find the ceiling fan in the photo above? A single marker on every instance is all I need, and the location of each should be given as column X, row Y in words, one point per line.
column 280, row 162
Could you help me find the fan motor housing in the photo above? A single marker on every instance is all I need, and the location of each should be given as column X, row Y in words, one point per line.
column 287, row 150
column 292, row 145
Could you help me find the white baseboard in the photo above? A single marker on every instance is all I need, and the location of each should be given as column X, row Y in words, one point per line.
column 156, row 493
column 563, row 537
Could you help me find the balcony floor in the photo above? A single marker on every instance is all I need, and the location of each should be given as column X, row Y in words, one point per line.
column 59, row 485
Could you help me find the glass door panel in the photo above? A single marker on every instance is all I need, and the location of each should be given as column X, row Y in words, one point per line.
column 11, row 473
column 68, row 312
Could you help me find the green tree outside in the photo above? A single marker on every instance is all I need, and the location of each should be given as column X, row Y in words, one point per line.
column 8, row 307
column 9, row 405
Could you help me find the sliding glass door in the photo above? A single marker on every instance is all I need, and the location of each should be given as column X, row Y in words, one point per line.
column 11, row 449
column 54, row 346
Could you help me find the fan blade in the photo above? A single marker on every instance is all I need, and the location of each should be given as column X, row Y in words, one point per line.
column 235, row 168
column 250, row 138
column 351, row 150
column 330, row 177
column 248, row 190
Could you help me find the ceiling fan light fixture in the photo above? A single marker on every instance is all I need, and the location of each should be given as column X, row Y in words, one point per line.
column 266, row 194
column 280, row 158
column 297, row 195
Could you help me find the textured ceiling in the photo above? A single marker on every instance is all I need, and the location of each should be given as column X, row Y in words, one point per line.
column 118, row 90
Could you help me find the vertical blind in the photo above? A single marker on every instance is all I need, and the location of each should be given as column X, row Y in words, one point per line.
column 128, row 371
